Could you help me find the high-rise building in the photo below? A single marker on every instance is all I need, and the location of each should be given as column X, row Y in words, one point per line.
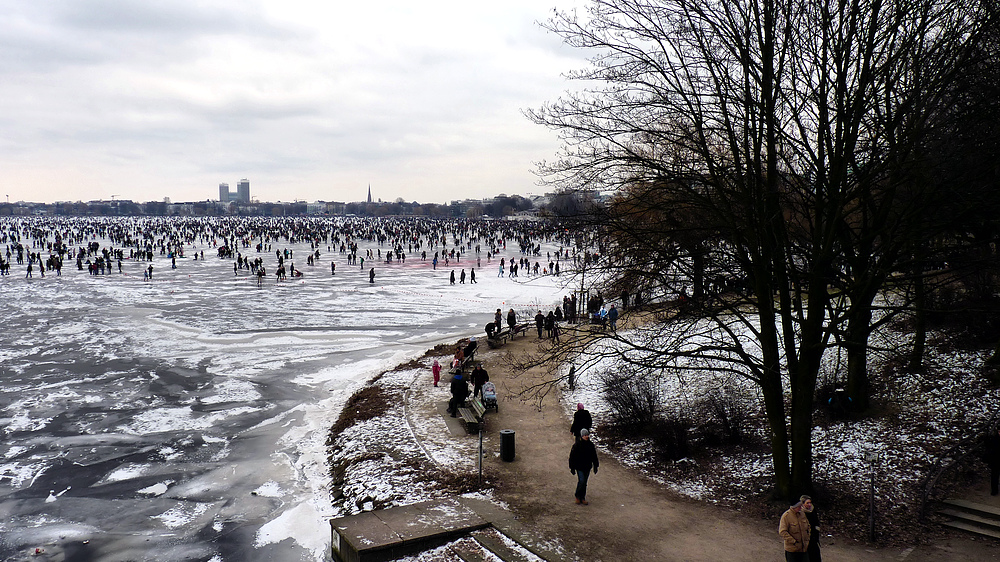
column 243, row 191
column 241, row 195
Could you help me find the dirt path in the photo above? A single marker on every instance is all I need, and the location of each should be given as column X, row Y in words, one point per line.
column 630, row 517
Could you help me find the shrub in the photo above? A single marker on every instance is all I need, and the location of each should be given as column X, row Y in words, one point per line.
column 728, row 413
column 633, row 396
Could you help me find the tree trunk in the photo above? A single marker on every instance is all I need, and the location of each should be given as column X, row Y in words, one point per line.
column 919, row 324
column 856, row 345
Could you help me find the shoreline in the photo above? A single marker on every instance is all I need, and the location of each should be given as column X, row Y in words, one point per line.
column 407, row 454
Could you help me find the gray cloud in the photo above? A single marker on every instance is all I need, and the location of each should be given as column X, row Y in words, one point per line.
column 163, row 96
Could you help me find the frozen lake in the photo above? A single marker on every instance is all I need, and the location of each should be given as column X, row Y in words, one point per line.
column 184, row 418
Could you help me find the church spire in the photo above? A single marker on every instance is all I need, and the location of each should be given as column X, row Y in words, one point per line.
column 369, row 193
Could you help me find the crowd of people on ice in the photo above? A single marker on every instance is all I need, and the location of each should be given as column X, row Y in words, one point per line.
column 100, row 245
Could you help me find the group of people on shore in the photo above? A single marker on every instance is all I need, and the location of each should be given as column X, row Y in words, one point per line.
column 798, row 527
column 583, row 455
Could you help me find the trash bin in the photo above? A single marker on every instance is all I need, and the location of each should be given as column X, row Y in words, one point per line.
column 507, row 445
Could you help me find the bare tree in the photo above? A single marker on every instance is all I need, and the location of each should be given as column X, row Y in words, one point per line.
column 772, row 141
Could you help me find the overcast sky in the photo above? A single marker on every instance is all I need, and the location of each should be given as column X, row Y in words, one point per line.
column 309, row 100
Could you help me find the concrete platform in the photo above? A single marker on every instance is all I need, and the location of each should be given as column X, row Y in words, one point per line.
column 376, row 536
column 455, row 425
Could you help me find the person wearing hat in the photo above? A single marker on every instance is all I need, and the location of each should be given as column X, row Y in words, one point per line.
column 470, row 350
column 795, row 531
column 581, row 420
column 459, row 392
column 583, row 457
column 436, row 371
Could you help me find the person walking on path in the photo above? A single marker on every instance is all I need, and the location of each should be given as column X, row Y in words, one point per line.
column 511, row 320
column 991, row 455
column 539, row 323
column 436, row 370
column 794, row 530
column 583, row 457
column 813, row 517
column 453, row 277
column 613, row 318
column 472, row 276
column 581, row 420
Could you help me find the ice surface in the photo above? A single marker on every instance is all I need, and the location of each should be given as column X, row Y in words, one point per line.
column 178, row 398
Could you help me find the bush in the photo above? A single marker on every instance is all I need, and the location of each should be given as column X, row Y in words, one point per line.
column 671, row 436
column 727, row 413
column 633, row 396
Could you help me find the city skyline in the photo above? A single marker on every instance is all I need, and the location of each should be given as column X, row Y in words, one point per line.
column 423, row 102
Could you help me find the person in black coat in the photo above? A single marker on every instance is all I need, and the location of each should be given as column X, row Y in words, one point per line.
column 479, row 377
column 470, row 350
column 581, row 420
column 810, row 509
column 539, row 322
column 991, row 455
column 459, row 392
column 583, row 457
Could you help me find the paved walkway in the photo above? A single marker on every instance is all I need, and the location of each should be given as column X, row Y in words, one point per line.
column 629, row 516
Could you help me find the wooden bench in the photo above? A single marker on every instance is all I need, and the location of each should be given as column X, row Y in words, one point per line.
column 468, row 361
column 472, row 414
column 500, row 338
column 521, row 329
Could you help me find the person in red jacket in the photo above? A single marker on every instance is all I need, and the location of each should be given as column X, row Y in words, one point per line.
column 436, row 370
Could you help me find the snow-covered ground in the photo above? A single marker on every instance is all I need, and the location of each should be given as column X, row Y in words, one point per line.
column 918, row 418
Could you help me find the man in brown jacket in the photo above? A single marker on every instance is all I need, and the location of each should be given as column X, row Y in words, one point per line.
column 794, row 530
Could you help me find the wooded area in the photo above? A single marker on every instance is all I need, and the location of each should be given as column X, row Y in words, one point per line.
column 802, row 171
